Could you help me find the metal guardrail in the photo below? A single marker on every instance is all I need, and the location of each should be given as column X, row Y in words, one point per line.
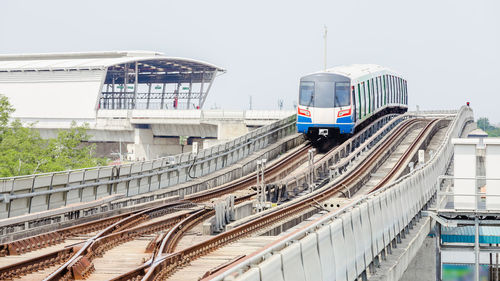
column 344, row 244
column 33, row 193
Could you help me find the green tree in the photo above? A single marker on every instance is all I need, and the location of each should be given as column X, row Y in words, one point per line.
column 23, row 151
column 6, row 110
column 70, row 150
column 484, row 124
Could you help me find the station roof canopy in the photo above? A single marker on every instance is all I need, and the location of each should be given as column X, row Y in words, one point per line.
column 77, row 85
column 100, row 61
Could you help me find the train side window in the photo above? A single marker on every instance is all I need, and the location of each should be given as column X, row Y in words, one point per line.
column 389, row 90
column 400, row 91
column 359, row 100
column 393, row 91
column 385, row 90
column 373, row 95
column 354, row 103
column 368, row 84
column 377, row 93
column 381, row 90
column 406, row 92
column 364, row 98
column 396, row 99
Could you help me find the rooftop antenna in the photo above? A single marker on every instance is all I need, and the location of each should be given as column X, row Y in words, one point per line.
column 325, row 37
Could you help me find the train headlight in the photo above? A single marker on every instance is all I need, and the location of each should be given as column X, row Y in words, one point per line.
column 344, row 112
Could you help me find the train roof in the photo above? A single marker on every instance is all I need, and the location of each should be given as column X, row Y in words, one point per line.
column 354, row 71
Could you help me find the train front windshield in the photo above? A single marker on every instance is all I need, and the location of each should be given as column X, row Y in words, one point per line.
column 324, row 94
column 342, row 94
column 306, row 93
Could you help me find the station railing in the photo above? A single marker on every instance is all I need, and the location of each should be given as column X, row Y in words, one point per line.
column 28, row 194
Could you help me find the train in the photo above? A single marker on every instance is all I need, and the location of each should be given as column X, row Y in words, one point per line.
column 336, row 103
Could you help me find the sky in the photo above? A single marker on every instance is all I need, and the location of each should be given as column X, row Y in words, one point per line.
column 448, row 51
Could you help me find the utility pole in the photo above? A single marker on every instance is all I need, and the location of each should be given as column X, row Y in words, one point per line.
column 250, row 103
column 325, row 37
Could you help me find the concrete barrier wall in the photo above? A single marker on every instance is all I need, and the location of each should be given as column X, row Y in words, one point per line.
column 347, row 242
column 28, row 194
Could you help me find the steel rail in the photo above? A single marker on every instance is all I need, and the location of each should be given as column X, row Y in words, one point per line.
column 80, row 264
column 396, row 170
column 166, row 265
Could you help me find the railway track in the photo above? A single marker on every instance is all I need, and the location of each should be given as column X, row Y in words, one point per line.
column 166, row 261
column 77, row 260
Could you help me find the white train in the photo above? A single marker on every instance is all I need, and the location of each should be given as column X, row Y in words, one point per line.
column 336, row 103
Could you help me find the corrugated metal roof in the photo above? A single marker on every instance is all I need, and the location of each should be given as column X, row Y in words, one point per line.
column 87, row 60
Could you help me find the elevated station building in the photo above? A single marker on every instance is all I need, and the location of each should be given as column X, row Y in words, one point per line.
column 143, row 99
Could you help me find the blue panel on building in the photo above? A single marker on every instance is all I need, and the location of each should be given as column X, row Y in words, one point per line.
column 466, row 234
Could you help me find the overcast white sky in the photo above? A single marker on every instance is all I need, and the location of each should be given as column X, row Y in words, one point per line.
column 447, row 50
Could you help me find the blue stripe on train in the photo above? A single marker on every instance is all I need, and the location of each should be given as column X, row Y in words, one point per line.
column 346, row 119
column 345, row 128
column 303, row 119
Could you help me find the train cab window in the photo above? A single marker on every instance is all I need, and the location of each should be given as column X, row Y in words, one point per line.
column 324, row 95
column 306, row 93
column 342, row 94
